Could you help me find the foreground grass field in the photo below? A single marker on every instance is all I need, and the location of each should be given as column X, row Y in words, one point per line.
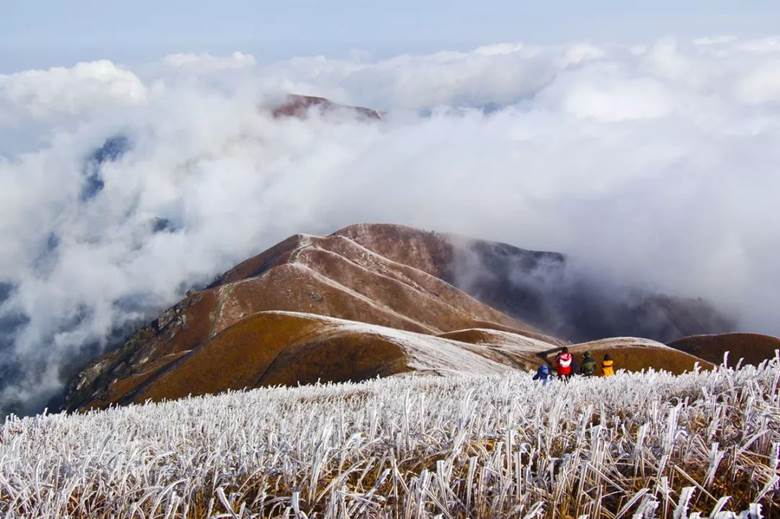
column 636, row 445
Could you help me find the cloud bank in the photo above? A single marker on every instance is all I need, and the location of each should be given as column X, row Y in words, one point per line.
column 120, row 189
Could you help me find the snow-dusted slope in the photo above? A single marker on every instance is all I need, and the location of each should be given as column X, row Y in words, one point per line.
column 288, row 348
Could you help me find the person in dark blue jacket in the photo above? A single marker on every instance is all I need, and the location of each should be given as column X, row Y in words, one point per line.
column 543, row 374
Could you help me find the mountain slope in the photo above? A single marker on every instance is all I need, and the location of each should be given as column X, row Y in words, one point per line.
column 239, row 331
column 635, row 354
column 545, row 289
column 330, row 276
column 753, row 348
column 289, row 348
column 273, row 348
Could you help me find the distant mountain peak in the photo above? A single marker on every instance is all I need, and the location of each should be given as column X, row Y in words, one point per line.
column 300, row 105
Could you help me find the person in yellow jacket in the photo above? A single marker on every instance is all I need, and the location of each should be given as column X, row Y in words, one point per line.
column 607, row 366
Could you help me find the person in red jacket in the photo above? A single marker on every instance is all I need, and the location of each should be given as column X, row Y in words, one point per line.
column 564, row 364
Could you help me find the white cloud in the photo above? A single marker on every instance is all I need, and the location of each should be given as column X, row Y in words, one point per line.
column 60, row 91
column 657, row 165
column 617, row 100
column 582, row 53
column 762, row 84
column 715, row 40
column 498, row 74
column 208, row 62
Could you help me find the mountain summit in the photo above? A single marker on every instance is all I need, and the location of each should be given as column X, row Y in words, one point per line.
column 375, row 300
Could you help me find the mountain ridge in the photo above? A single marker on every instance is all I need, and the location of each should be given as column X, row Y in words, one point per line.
column 388, row 276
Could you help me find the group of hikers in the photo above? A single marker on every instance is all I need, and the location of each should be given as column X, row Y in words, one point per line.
column 566, row 367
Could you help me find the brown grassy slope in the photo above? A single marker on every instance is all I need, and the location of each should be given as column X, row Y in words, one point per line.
column 499, row 336
column 520, row 351
column 257, row 265
column 631, row 354
column 634, row 354
column 542, row 288
column 751, row 347
column 175, row 332
column 379, row 274
column 413, row 299
column 430, row 252
column 285, row 348
column 331, row 276
column 336, row 276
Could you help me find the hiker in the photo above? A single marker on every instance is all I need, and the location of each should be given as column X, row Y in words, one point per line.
column 563, row 364
column 588, row 365
column 608, row 366
column 543, row 374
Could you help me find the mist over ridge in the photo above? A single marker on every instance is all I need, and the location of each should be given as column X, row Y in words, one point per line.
column 121, row 188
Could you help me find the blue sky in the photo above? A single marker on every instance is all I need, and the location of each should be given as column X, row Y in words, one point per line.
column 36, row 34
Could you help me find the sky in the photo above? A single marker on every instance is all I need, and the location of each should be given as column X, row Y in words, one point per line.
column 139, row 157
column 39, row 34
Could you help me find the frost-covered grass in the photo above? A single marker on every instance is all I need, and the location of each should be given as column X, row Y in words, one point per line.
column 641, row 445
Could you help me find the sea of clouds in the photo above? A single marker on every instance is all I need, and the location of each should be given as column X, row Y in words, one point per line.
column 120, row 187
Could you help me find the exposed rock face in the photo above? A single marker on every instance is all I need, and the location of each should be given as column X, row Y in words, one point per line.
column 368, row 300
column 752, row 348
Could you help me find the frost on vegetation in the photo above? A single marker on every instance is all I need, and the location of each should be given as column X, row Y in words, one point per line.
column 703, row 444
